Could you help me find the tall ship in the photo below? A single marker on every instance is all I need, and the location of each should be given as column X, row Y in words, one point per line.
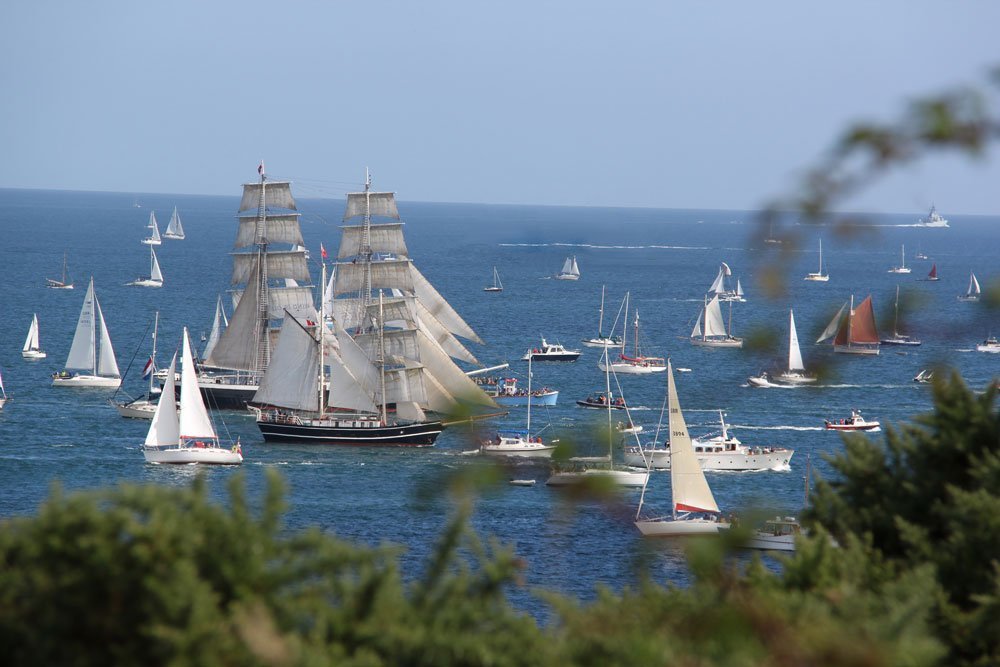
column 270, row 276
column 856, row 332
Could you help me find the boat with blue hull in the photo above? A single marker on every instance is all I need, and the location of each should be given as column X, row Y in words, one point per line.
column 505, row 392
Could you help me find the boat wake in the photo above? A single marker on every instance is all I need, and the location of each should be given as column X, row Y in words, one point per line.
column 778, row 428
column 603, row 246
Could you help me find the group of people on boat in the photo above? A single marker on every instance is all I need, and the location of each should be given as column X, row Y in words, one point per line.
column 603, row 400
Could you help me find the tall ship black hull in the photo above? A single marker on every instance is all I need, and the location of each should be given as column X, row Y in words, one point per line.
column 358, row 432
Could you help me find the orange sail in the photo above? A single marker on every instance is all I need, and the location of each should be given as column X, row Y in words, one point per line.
column 862, row 328
column 933, row 274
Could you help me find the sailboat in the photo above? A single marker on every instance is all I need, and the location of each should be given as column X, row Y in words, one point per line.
column 920, row 254
column 856, row 333
column 497, row 285
column 693, row 507
column 933, row 275
column 155, row 277
column 719, row 289
column 145, row 406
column 3, row 393
column 795, row 373
column 606, row 468
column 819, row 276
column 933, row 219
column 267, row 255
column 292, row 403
column 174, row 228
column 219, row 324
column 154, row 235
column 714, row 333
column 187, row 437
column 570, row 271
column 65, row 283
column 897, row 338
column 31, row 349
column 770, row 235
column 91, row 355
column 600, row 340
column 638, row 364
column 518, row 443
column 972, row 293
column 902, row 268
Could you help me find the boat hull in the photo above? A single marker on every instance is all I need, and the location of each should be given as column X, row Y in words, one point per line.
column 140, row 408
column 561, row 356
column 679, row 527
column 145, row 283
column 622, row 368
column 525, row 452
column 659, row 459
column 601, row 342
column 766, row 542
column 726, row 342
column 626, row 478
column 855, row 349
column 492, row 289
column 33, row 354
column 87, row 381
column 566, row 276
column 547, row 398
column 853, row 427
column 192, row 455
column 175, row 237
column 794, row 378
column 394, row 435
column 988, row 348
column 816, row 278
column 151, row 242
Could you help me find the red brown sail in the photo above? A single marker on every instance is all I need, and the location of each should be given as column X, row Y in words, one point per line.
column 862, row 328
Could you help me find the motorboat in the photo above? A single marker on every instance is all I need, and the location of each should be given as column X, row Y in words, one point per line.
column 602, row 400
column 989, row 345
column 853, row 423
column 550, row 352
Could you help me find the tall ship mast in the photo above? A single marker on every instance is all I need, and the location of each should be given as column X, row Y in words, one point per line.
column 270, row 276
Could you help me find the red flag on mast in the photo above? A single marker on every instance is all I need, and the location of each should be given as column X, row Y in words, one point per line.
column 322, row 251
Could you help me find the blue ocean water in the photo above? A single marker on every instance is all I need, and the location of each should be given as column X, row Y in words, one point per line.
column 666, row 259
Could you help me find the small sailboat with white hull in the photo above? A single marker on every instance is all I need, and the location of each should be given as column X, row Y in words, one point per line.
column 155, row 277
column 972, row 293
column 856, row 332
column 638, row 364
column 714, row 332
column 600, row 340
column 932, row 277
column 32, row 349
column 175, row 230
column 819, row 276
column 902, row 268
column 518, row 443
column 154, row 231
column 143, row 407
column 719, row 288
column 497, row 286
column 795, row 373
column 693, row 507
column 3, row 393
column 65, row 283
column 91, row 361
column 186, row 436
column 570, row 270
column 897, row 338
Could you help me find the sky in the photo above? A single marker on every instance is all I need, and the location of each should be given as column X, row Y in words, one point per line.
column 652, row 104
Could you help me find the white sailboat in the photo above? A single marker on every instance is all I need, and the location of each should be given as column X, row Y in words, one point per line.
column 187, row 437
column 518, row 443
column 65, row 283
column 145, row 406
column 570, row 270
column 154, row 234
column 972, row 293
column 3, row 393
column 497, row 285
column 719, row 289
column 155, row 277
column 819, row 276
column 31, row 349
column 600, row 340
column 714, row 332
column 91, row 361
column 174, row 228
column 693, row 507
column 795, row 372
column 638, row 364
column 219, row 324
column 902, row 268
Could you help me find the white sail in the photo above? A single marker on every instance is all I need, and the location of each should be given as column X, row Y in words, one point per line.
column 832, row 327
column 696, row 332
column 31, row 342
column 164, row 429
column 280, row 264
column 739, row 288
column 356, row 361
column 154, row 236
column 174, row 228
column 328, row 294
column 292, row 376
column 82, row 353
column 279, row 228
column 107, row 366
column 237, row 346
column 715, row 325
column 718, row 285
column 278, row 194
column 154, row 269
column 384, row 238
column 441, row 309
column 388, row 274
column 195, row 423
column 376, row 204
column 296, row 300
column 973, row 284
column 687, row 481
column 567, row 267
column 794, row 353
column 218, row 326
column 345, row 390
column 575, row 270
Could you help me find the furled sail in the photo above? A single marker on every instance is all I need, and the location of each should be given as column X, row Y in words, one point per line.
column 278, row 194
column 375, row 204
column 794, row 353
column 691, row 492
column 383, row 238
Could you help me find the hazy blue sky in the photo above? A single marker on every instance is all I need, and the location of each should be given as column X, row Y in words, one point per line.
column 665, row 104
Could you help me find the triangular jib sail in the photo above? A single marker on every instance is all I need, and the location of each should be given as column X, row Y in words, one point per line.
column 174, row 228
column 31, row 343
column 794, row 353
column 691, row 492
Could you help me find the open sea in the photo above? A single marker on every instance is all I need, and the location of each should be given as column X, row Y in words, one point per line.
column 665, row 258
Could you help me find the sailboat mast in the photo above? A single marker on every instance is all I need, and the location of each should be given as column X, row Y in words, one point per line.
column 64, row 269
column 381, row 356
column 821, row 256
column 730, row 319
column 600, row 318
column 528, row 427
column 624, row 326
column 636, row 348
column 607, row 389
column 152, row 374
column 260, row 335
column 366, row 245
column 322, row 325
column 850, row 322
column 895, row 319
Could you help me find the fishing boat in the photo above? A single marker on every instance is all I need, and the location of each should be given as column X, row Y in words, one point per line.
column 897, row 338
column 155, row 277
column 65, row 283
column 716, row 451
column 31, row 349
column 91, row 361
column 143, row 407
column 497, row 285
column 819, row 276
column 714, row 332
column 175, row 230
column 600, row 340
column 603, row 468
column 853, row 423
column 3, row 393
column 506, row 392
column 638, row 363
column 719, row 288
column 925, row 376
column 973, row 291
column 856, row 332
column 989, row 345
column 933, row 219
column 902, row 268
column 933, row 275
column 777, row 534
column 795, row 373
column 154, row 233
column 693, row 507
column 570, row 270
column 550, row 352
column 186, row 436
column 298, row 402
column 518, row 443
